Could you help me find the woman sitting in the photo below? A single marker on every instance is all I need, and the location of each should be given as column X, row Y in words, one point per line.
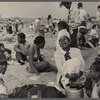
column 36, row 61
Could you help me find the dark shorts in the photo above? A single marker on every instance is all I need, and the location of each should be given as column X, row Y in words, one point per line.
column 83, row 31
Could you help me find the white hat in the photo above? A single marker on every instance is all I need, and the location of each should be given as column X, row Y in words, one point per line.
column 72, row 66
column 3, row 89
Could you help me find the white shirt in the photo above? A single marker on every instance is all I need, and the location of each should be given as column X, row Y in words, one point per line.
column 60, row 34
column 60, row 60
column 98, row 16
column 82, row 14
column 74, row 14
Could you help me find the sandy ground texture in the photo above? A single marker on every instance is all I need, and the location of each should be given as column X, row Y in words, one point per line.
column 16, row 75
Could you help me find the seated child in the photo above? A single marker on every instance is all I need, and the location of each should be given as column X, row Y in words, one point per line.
column 3, row 67
column 21, row 48
column 93, row 36
column 5, row 51
column 92, row 83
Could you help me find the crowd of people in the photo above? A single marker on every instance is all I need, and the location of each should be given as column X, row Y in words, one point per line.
column 79, row 30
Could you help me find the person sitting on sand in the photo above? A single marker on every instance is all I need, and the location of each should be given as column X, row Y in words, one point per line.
column 3, row 67
column 50, row 23
column 5, row 51
column 63, row 30
column 93, row 36
column 61, row 58
column 37, row 62
column 92, row 83
column 21, row 48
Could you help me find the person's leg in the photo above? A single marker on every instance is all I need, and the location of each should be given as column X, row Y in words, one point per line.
column 74, row 38
column 44, row 65
column 88, row 42
column 78, row 38
column 20, row 58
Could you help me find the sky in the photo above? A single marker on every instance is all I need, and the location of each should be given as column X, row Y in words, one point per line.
column 39, row 9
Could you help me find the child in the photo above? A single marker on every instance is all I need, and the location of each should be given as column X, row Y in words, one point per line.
column 92, row 83
column 41, row 30
column 3, row 67
column 5, row 51
column 95, row 74
column 93, row 36
column 63, row 30
column 21, row 48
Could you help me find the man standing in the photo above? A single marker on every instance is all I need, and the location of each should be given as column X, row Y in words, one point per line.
column 73, row 21
column 83, row 13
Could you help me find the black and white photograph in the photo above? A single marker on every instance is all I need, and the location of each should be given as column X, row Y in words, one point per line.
column 50, row 49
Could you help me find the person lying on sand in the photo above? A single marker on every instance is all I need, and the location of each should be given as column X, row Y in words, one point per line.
column 37, row 62
column 21, row 48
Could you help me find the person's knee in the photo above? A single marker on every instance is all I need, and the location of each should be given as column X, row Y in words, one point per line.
column 47, row 63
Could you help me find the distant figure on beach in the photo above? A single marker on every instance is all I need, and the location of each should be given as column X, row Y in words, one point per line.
column 37, row 63
column 98, row 13
column 50, row 23
column 21, row 48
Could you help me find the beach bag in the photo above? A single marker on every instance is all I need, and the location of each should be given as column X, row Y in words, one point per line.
column 36, row 91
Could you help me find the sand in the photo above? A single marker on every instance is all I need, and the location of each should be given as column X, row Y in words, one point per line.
column 16, row 75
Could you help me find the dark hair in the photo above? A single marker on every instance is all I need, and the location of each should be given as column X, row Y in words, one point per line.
column 22, row 35
column 39, row 39
column 49, row 16
column 1, row 44
column 65, row 4
column 80, row 5
column 98, row 6
column 94, row 26
column 63, row 25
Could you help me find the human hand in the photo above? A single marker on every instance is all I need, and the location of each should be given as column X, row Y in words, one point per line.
column 74, row 77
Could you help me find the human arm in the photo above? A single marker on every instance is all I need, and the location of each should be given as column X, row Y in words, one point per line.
column 31, row 61
column 75, row 15
column 59, row 63
column 16, row 48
